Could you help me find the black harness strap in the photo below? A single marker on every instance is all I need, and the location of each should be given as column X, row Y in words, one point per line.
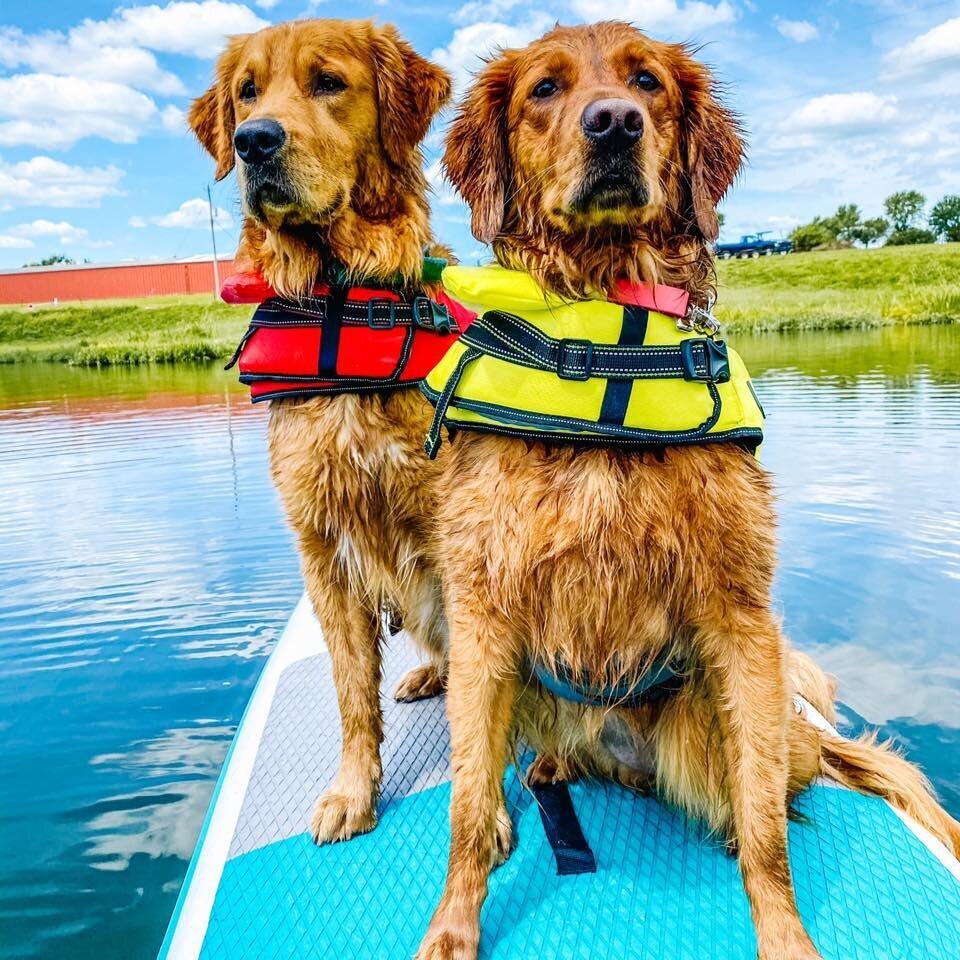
column 513, row 339
column 616, row 397
column 560, row 824
column 330, row 332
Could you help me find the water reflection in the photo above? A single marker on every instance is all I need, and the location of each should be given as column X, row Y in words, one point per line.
column 146, row 572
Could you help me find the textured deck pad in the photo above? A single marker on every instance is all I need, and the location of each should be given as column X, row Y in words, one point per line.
column 867, row 888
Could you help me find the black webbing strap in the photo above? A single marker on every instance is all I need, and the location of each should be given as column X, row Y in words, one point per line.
column 330, row 332
column 560, row 824
column 616, row 397
column 513, row 339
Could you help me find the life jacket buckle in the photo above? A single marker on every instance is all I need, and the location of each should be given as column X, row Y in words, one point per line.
column 431, row 315
column 567, row 350
column 381, row 323
column 705, row 360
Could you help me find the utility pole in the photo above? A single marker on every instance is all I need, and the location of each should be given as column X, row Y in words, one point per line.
column 213, row 237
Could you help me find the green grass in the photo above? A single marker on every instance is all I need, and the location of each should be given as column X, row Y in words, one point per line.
column 842, row 289
column 811, row 291
column 152, row 330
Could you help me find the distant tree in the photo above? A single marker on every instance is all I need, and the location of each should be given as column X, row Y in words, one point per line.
column 721, row 219
column 51, row 260
column 945, row 218
column 910, row 236
column 904, row 209
column 819, row 232
column 869, row 231
column 845, row 222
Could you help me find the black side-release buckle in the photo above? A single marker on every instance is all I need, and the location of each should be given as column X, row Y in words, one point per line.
column 431, row 315
column 381, row 323
column 714, row 364
column 571, row 371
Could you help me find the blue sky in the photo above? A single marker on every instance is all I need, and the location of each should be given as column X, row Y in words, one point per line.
column 845, row 102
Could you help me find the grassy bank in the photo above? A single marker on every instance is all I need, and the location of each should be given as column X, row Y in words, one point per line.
column 836, row 290
column 153, row 330
column 842, row 289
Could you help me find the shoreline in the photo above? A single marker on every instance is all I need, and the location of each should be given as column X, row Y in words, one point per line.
column 831, row 290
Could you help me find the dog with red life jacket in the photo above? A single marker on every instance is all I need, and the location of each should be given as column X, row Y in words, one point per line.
column 323, row 120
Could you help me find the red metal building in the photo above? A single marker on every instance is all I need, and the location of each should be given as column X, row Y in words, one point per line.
column 94, row 281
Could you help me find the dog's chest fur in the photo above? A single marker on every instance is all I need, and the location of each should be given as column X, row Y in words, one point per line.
column 351, row 470
column 597, row 555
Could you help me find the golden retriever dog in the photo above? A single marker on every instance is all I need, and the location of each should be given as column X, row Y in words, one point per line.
column 323, row 119
column 595, row 155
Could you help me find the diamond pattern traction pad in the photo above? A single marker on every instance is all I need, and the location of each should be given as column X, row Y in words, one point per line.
column 866, row 887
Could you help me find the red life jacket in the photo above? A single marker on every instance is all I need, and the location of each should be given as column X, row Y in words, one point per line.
column 339, row 339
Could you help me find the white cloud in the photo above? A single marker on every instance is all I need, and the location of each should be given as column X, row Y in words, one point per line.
column 66, row 233
column 173, row 120
column 267, row 4
column 196, row 29
column 834, row 116
column 14, row 243
column 464, row 54
column 191, row 214
column 800, row 31
column 785, row 222
column 662, row 16
column 45, row 182
column 477, row 10
column 443, row 194
column 77, row 55
column 45, row 110
column 939, row 46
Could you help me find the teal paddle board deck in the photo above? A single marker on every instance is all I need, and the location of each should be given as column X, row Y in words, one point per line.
column 870, row 884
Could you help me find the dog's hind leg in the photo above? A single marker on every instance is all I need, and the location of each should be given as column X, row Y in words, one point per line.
column 352, row 634
column 744, row 657
column 426, row 626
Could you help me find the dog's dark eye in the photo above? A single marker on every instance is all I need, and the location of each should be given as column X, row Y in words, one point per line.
column 543, row 89
column 248, row 90
column 645, row 81
column 328, row 83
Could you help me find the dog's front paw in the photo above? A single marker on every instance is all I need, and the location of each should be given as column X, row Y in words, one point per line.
column 339, row 816
column 444, row 943
column 420, row 683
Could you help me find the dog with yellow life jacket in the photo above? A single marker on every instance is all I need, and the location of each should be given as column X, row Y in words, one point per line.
column 606, row 533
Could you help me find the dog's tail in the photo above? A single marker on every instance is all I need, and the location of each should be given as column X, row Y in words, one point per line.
column 869, row 766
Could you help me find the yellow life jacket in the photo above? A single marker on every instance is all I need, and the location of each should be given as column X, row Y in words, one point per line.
column 635, row 373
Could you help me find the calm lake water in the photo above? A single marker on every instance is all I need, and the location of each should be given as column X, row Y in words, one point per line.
column 145, row 573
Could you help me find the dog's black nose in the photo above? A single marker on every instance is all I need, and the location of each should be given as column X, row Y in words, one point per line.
column 612, row 123
column 258, row 140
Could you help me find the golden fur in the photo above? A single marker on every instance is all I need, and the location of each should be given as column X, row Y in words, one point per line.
column 606, row 559
column 358, row 491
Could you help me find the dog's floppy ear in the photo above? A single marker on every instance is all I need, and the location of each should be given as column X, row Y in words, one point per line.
column 713, row 144
column 477, row 159
column 211, row 115
column 410, row 91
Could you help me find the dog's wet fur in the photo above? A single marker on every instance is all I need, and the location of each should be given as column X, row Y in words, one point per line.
column 353, row 101
column 603, row 559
